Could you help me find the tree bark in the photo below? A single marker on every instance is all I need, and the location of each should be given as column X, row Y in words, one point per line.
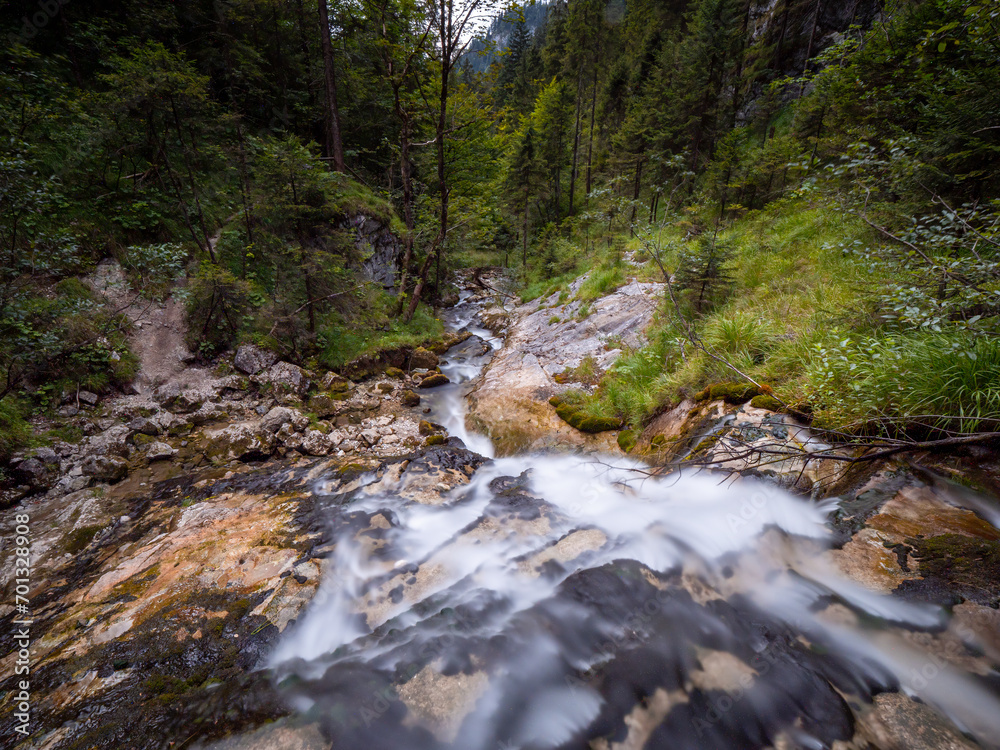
column 334, row 146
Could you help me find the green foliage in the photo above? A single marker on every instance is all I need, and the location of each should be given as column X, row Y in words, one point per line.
column 374, row 331
column 940, row 382
column 15, row 432
column 601, row 282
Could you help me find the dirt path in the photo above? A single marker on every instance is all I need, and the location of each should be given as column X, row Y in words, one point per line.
column 157, row 335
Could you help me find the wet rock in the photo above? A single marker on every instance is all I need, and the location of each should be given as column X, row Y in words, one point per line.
column 252, row 359
column 433, row 380
column 160, row 451
column 242, row 441
column 88, row 398
column 110, row 469
column 897, row 722
column 409, row 398
column 422, row 359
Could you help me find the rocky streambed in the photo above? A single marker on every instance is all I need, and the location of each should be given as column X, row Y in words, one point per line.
column 280, row 559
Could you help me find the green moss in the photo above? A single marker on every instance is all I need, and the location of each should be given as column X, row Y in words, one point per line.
column 731, row 393
column 763, row 401
column 394, row 372
column 627, row 439
column 78, row 539
column 578, row 417
column 970, row 565
column 435, row 440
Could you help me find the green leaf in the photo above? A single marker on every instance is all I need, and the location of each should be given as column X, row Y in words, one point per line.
column 942, row 46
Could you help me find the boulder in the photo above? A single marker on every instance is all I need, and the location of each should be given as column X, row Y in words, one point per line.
column 279, row 416
column 433, row 380
column 252, row 359
column 144, row 426
column 35, row 473
column 87, row 398
column 370, row 437
column 167, row 394
column 286, row 378
column 208, row 413
column 158, row 451
column 111, row 442
column 422, row 359
column 409, row 398
column 108, row 469
column 188, row 401
column 315, row 443
column 243, row 441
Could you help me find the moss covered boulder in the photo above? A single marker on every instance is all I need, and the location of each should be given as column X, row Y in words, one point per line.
column 731, row 393
column 576, row 416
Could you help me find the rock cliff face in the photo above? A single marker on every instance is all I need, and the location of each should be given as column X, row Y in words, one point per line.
column 379, row 249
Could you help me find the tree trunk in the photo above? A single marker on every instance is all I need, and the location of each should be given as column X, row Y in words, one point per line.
column 576, row 139
column 590, row 140
column 334, row 146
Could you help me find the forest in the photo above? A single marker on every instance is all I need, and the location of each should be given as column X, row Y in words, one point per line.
column 816, row 180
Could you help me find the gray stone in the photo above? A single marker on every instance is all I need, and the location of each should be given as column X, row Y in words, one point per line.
column 67, row 411
column 370, row 437
column 287, row 378
column 160, row 451
column 315, row 443
column 35, row 473
column 111, row 442
column 241, row 441
column 252, row 359
column 144, row 426
column 88, row 398
column 108, row 469
column 279, row 416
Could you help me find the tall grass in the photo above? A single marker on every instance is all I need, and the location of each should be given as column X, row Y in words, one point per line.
column 942, row 382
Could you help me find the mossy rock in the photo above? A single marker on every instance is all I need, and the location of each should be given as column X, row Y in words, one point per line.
column 385, row 388
column 426, row 428
column 763, row 401
column 435, row 440
column 627, row 440
column 434, row 380
column 731, row 393
column 969, row 566
column 180, row 430
column 139, row 440
column 395, row 372
column 78, row 539
column 658, row 442
column 576, row 417
column 409, row 398
column 339, row 386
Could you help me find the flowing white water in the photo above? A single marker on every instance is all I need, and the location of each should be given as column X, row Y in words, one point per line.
column 551, row 596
